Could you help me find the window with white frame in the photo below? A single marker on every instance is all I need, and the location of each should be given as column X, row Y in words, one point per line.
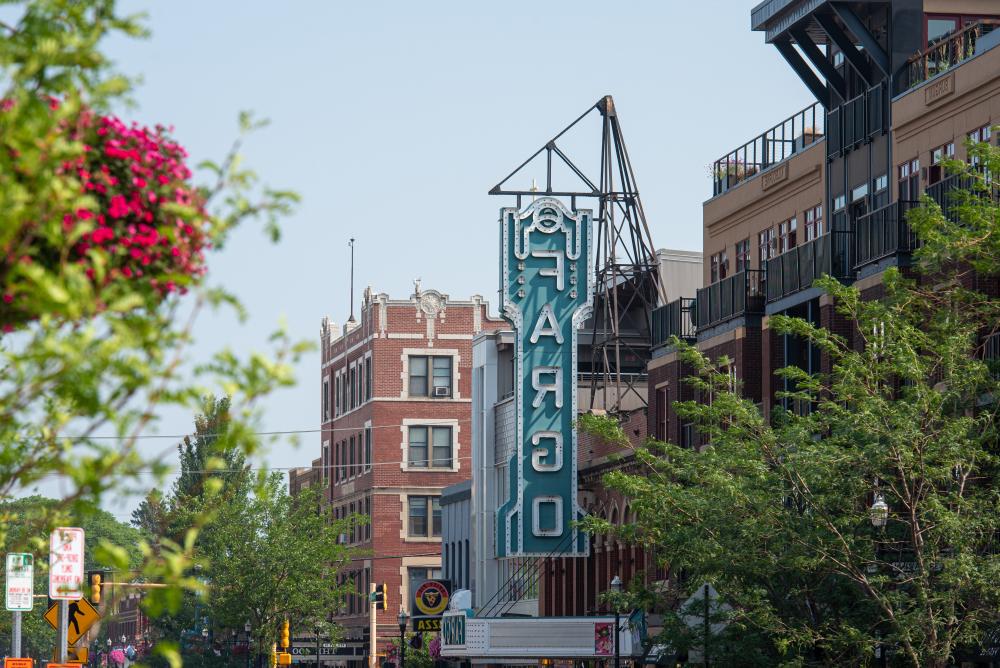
column 430, row 446
column 430, row 376
column 424, row 516
column 787, row 235
column 814, row 222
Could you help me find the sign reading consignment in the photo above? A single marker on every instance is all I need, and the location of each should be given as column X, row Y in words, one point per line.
column 547, row 294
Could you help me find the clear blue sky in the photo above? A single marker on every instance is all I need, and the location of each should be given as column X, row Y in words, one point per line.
column 393, row 119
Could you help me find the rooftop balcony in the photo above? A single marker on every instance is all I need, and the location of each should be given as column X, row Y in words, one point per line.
column 675, row 319
column 769, row 148
column 796, row 269
column 947, row 53
column 741, row 294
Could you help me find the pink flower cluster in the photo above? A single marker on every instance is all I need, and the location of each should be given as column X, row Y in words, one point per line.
column 133, row 173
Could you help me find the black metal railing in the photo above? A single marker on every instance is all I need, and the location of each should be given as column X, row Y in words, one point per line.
column 856, row 120
column 941, row 192
column 882, row 233
column 797, row 268
column 675, row 319
column 742, row 293
column 943, row 55
column 991, row 353
column 772, row 146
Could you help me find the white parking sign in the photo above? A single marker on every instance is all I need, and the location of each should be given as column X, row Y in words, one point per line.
column 20, row 581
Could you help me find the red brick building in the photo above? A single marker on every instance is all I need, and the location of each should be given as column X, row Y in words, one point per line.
column 395, row 406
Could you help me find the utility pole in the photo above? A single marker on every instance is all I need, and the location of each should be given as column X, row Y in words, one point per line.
column 372, row 640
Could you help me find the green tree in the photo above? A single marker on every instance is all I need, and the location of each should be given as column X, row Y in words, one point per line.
column 870, row 521
column 93, row 345
column 278, row 558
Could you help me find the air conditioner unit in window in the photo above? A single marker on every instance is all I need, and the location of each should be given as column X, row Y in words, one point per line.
column 441, row 391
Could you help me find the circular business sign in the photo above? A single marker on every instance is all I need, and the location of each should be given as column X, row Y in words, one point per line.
column 431, row 598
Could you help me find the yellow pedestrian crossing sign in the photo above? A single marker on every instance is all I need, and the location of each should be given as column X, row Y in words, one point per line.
column 82, row 616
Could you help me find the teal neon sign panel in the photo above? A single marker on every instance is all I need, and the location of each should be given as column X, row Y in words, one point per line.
column 547, row 293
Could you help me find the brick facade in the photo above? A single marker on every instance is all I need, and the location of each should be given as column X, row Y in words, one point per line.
column 370, row 408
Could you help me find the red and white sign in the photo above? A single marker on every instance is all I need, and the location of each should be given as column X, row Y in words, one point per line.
column 66, row 564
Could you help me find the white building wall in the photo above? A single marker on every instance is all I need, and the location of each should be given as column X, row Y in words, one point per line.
column 680, row 272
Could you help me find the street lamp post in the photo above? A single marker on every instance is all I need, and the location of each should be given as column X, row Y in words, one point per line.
column 246, row 627
column 317, row 629
column 616, row 587
column 402, row 638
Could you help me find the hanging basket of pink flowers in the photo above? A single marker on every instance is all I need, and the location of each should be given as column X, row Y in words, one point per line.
column 144, row 227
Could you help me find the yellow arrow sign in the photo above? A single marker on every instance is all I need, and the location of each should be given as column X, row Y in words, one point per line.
column 82, row 616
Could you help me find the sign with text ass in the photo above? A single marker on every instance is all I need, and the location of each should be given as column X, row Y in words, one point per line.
column 546, row 293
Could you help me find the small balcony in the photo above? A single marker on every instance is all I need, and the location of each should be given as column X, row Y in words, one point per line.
column 772, row 146
column 675, row 319
column 945, row 54
column 856, row 120
column 741, row 294
column 883, row 233
column 796, row 269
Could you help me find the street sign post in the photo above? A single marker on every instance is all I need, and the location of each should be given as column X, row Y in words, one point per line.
column 20, row 585
column 20, row 582
column 66, row 546
column 81, row 616
column 66, row 564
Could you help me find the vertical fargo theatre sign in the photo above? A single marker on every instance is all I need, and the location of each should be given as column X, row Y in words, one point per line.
column 547, row 288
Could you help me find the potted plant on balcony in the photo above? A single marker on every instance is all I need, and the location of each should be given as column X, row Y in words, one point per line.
column 729, row 172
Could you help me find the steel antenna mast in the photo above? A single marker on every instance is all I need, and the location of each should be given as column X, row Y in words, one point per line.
column 628, row 286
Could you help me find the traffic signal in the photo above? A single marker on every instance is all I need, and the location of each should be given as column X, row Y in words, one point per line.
column 381, row 596
column 285, row 640
column 95, row 587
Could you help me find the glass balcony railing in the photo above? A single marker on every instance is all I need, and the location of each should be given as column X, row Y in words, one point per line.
column 797, row 268
column 770, row 147
column 675, row 319
column 743, row 293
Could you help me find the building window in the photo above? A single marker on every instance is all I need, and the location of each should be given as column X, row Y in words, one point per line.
column 368, row 448
column 326, row 399
column 368, row 514
column 368, row 378
column 430, row 376
column 935, row 172
column 425, row 516
column 742, row 255
column 983, row 134
column 720, row 266
column 336, row 400
column 880, row 191
column 787, row 235
column 660, row 429
column 352, row 461
column 908, row 181
column 839, row 202
column 814, row 222
column 766, row 245
column 429, row 446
